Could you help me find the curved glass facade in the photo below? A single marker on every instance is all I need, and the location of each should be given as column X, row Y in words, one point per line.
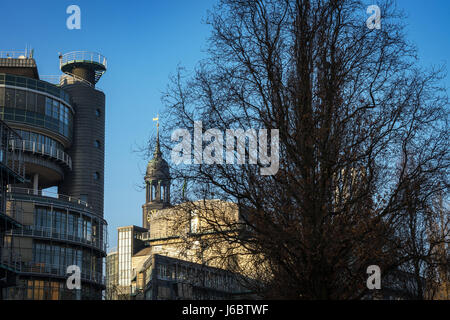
column 70, row 225
column 38, row 288
column 62, row 236
column 63, row 224
column 36, row 109
column 55, row 258
column 39, row 85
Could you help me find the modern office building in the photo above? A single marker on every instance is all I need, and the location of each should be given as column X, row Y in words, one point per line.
column 112, row 276
column 62, row 136
column 128, row 245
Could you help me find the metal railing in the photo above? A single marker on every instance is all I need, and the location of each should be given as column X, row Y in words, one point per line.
column 47, row 194
column 15, row 214
column 60, row 271
column 13, row 54
column 145, row 236
column 82, row 56
column 54, row 234
column 70, row 78
column 11, row 159
column 43, row 149
column 10, row 259
column 65, row 79
column 51, row 78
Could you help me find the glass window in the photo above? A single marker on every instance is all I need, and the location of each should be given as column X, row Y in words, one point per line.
column 9, row 98
column 25, row 135
column 31, row 101
column 40, row 104
column 56, row 255
column 48, row 254
column 54, row 291
column 89, row 231
column 55, row 109
column 194, row 222
column 63, row 223
column 70, row 228
column 48, row 106
column 20, row 99
column 80, row 227
column 2, row 97
column 69, row 256
column 66, row 115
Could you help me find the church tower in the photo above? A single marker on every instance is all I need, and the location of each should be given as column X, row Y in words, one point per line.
column 157, row 185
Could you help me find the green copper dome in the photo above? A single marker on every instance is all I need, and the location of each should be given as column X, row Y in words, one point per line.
column 157, row 168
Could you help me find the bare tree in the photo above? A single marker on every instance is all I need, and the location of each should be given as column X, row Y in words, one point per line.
column 363, row 143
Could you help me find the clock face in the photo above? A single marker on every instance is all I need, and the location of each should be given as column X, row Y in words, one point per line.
column 149, row 214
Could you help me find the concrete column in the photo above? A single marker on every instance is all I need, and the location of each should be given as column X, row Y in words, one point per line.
column 36, row 183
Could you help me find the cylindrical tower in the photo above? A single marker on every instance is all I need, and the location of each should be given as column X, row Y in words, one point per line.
column 55, row 230
column 87, row 151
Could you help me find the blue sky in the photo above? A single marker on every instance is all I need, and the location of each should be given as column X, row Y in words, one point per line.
column 144, row 41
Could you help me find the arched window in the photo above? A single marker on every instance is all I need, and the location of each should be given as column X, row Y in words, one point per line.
column 153, row 193
column 162, row 193
column 194, row 222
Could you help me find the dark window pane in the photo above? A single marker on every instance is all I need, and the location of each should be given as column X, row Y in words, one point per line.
column 48, row 106
column 40, row 104
column 9, row 98
column 2, row 97
column 31, row 101
column 20, row 99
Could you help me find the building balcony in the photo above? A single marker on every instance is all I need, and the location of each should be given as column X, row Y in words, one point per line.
column 45, row 197
column 9, row 259
column 42, row 150
column 94, row 60
column 60, row 271
column 12, row 218
column 86, row 240
column 11, row 163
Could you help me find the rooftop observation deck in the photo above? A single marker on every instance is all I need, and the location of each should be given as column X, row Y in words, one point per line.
column 92, row 61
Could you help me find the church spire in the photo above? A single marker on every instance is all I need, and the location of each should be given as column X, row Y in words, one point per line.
column 157, row 180
column 157, row 153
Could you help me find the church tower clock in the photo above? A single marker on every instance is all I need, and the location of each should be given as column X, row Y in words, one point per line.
column 157, row 185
